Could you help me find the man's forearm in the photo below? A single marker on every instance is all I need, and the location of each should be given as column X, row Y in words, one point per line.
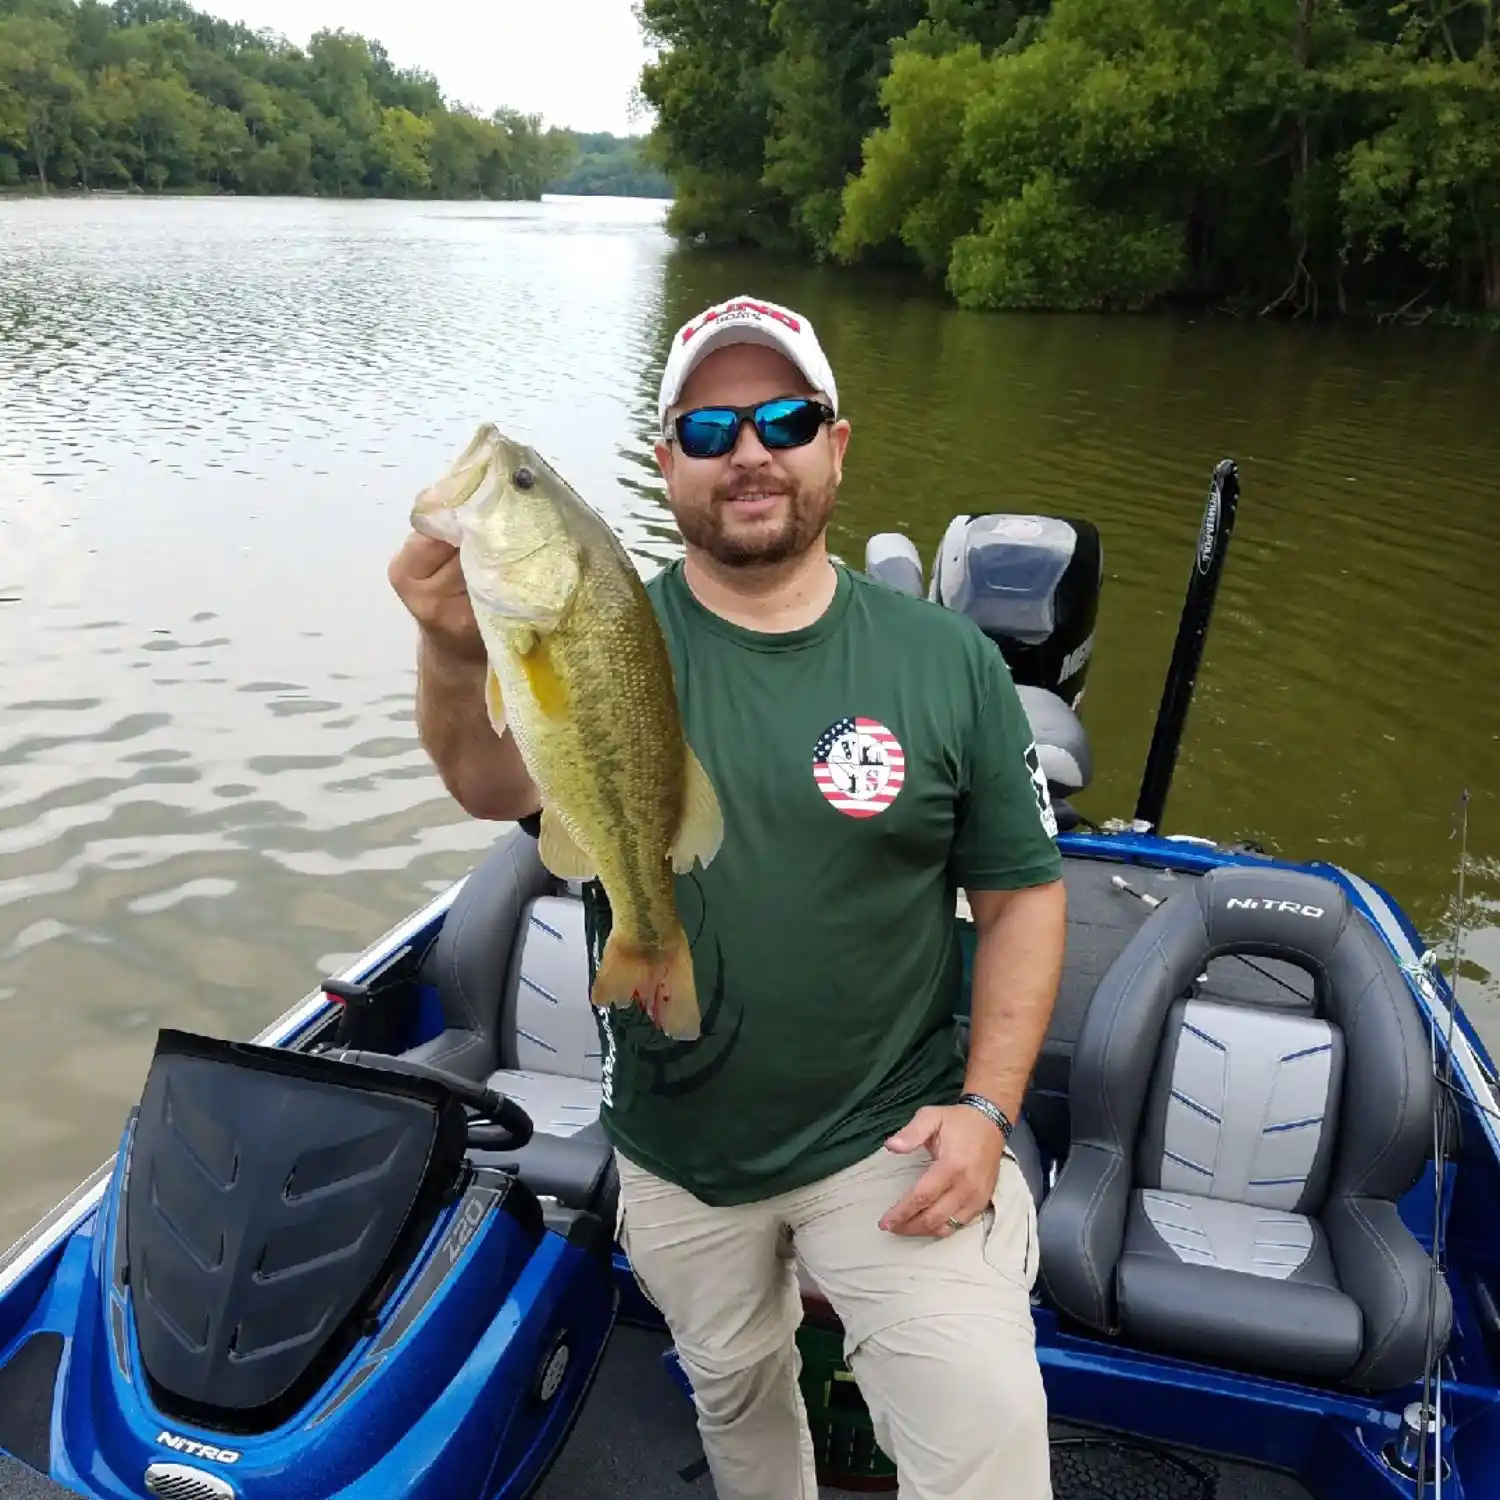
column 1017, row 965
column 483, row 771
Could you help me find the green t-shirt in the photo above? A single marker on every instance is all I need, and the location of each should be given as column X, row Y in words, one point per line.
column 867, row 766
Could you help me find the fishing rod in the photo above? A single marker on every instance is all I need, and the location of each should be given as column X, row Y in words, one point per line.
column 1432, row 1379
column 1417, row 1455
column 1187, row 651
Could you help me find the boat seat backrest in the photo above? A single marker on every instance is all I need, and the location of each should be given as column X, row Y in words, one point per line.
column 547, row 1020
column 1243, row 1106
column 469, row 963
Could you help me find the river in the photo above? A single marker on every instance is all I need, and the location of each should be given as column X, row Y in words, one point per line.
column 214, row 415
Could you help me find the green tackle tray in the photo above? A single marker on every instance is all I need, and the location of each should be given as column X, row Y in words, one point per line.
column 844, row 1446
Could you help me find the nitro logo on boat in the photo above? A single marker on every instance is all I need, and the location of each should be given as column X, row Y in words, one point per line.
column 1264, row 903
column 1041, row 791
column 197, row 1450
column 859, row 766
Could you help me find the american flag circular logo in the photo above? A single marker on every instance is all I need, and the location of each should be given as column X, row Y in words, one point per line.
column 859, row 766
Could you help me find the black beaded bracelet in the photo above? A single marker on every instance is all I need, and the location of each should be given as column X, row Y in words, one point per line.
column 992, row 1112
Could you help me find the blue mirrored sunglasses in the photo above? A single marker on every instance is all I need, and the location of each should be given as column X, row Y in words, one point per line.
column 786, row 422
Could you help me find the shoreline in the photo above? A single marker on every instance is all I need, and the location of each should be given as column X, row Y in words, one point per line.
column 1397, row 315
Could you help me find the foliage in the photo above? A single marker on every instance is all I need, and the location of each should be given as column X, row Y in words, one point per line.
column 151, row 94
column 711, row 92
column 1275, row 154
column 612, row 165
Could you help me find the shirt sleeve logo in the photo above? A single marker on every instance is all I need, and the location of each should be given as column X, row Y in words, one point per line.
column 859, row 766
column 1040, row 791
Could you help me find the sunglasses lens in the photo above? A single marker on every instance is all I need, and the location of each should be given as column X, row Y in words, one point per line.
column 788, row 424
column 712, row 431
column 708, row 433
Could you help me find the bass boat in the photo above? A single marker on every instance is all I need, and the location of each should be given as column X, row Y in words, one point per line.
column 373, row 1251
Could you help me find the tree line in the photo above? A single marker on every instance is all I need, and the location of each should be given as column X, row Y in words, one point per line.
column 1269, row 155
column 614, row 165
column 154, row 95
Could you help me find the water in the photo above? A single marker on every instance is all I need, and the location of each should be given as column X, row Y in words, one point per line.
column 213, row 417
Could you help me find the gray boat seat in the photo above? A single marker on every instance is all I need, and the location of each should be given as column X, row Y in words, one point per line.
column 510, row 967
column 1231, row 1190
column 472, row 964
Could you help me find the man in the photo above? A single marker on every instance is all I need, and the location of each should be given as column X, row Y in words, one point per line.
column 869, row 753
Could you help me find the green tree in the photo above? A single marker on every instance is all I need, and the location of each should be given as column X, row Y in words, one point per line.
column 712, row 95
column 1428, row 179
column 824, row 84
column 40, row 93
column 401, row 144
column 154, row 94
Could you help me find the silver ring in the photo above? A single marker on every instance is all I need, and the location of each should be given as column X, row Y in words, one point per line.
column 955, row 1223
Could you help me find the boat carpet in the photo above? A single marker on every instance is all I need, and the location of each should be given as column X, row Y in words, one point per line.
column 635, row 1439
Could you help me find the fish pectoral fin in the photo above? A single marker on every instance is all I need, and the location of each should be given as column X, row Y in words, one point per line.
column 701, row 831
column 560, row 853
column 494, row 702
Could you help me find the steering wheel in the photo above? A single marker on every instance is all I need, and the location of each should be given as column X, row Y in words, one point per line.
column 510, row 1126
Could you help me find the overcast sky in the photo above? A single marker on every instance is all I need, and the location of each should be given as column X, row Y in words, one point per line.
column 574, row 62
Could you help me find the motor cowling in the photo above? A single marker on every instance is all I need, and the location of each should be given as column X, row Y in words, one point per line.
column 1032, row 585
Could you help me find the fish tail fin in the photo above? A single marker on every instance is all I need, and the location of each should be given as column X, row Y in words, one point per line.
column 659, row 980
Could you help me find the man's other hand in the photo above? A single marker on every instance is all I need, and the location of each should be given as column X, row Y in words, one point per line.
column 967, row 1150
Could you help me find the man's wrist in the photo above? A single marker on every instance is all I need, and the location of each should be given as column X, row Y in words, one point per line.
column 448, row 667
column 989, row 1109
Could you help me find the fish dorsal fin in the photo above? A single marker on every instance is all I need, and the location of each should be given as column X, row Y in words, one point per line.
column 560, row 853
column 701, row 830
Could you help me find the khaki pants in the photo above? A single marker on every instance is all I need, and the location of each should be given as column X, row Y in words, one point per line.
column 938, row 1332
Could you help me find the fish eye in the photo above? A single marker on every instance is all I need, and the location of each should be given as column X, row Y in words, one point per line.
column 523, row 478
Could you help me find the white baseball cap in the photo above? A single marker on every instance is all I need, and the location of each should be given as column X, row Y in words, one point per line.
column 745, row 320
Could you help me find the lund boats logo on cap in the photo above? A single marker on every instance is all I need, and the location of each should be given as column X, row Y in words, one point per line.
column 743, row 311
column 859, row 766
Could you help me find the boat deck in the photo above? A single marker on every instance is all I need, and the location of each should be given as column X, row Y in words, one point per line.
column 636, row 1436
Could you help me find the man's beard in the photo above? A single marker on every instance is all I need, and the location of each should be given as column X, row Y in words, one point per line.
column 758, row 543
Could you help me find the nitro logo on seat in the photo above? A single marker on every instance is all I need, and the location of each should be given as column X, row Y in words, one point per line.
column 1263, row 903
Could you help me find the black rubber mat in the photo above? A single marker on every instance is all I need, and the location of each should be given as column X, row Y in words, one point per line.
column 17, row 1482
column 1103, row 1468
column 26, row 1382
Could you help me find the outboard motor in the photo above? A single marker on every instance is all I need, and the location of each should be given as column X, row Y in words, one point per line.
column 1032, row 585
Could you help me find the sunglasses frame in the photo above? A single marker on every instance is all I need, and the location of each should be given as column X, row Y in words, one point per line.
column 750, row 414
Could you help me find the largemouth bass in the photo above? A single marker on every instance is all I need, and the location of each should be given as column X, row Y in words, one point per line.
column 579, row 673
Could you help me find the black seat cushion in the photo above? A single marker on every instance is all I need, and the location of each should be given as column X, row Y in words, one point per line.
column 1235, row 1284
column 578, row 1170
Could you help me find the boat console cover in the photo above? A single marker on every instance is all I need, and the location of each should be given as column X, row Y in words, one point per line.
column 269, row 1196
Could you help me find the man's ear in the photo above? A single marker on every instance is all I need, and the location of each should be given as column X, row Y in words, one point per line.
column 838, row 437
column 664, row 457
